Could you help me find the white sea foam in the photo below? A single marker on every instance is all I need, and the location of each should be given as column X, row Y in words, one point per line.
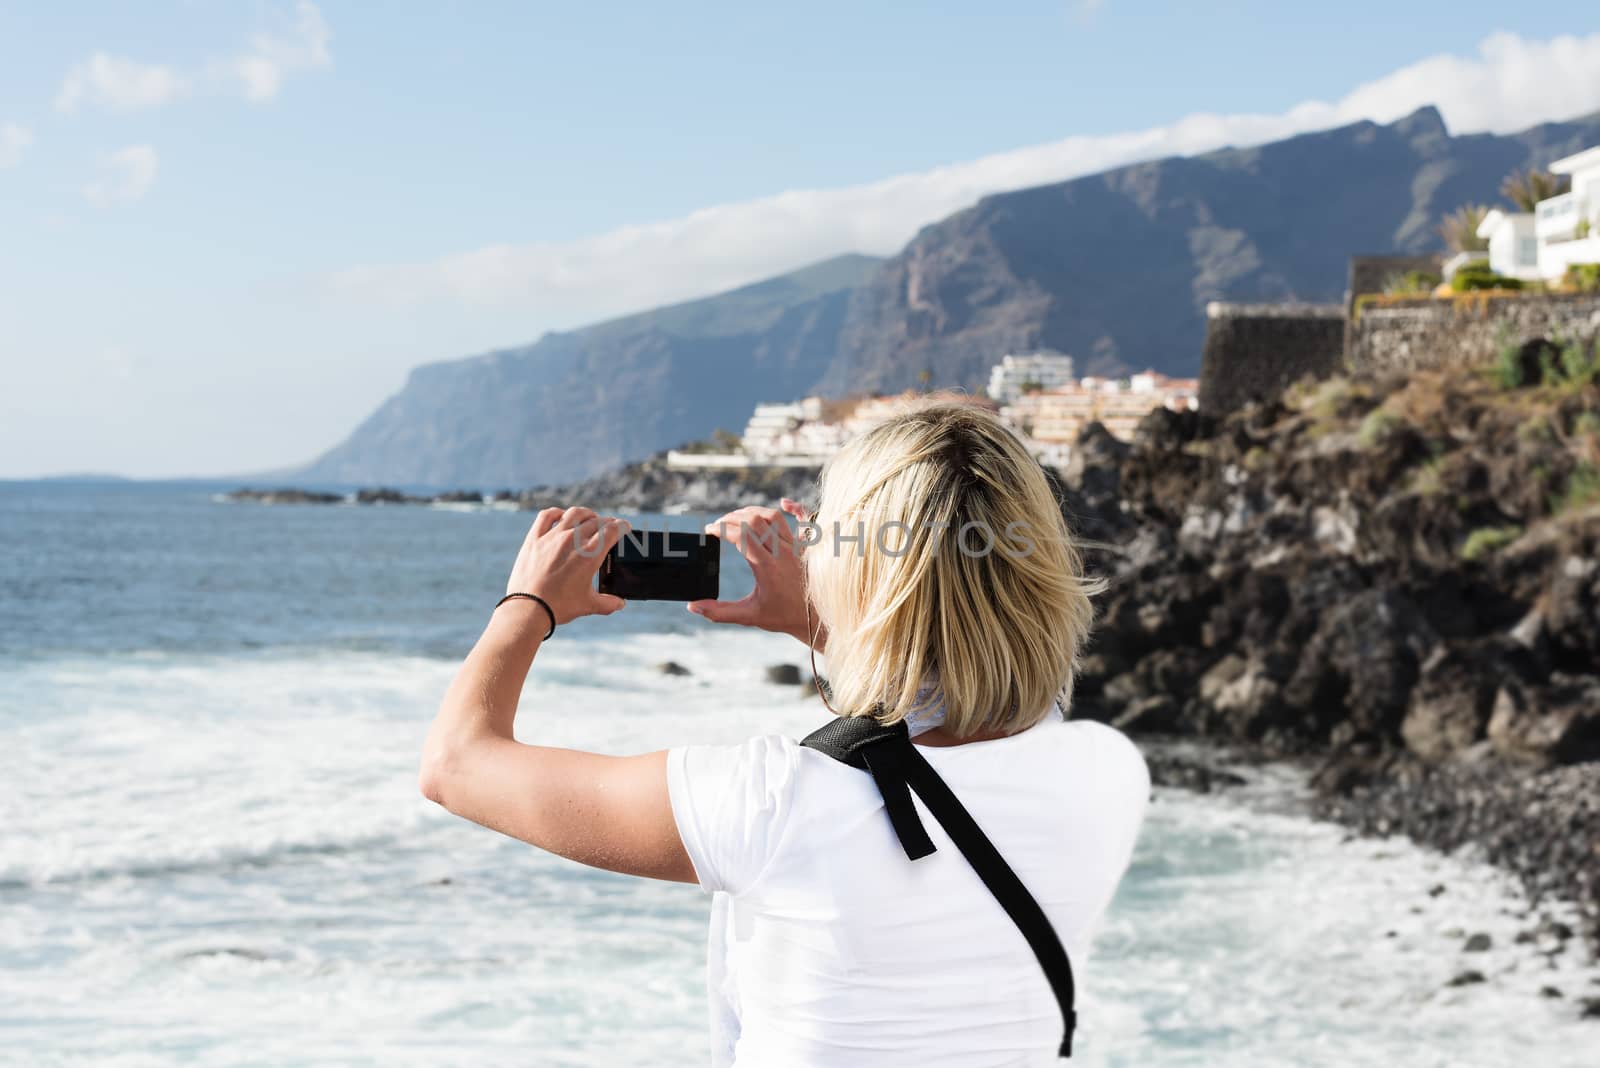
column 224, row 860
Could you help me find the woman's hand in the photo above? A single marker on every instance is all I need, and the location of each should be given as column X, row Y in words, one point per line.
column 559, row 558
column 778, row 602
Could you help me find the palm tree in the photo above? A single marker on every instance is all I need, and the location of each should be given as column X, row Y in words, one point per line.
column 1460, row 229
column 1526, row 188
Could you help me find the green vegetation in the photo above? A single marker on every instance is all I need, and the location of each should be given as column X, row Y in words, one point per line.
column 1412, row 284
column 1583, row 490
column 1581, row 231
column 1508, row 367
column 1031, row 386
column 1324, row 399
column 1362, row 302
column 1486, row 540
column 1580, row 364
column 1584, row 277
column 1428, row 479
column 1377, row 426
column 1560, row 364
column 1476, row 276
column 1536, row 428
column 1588, row 424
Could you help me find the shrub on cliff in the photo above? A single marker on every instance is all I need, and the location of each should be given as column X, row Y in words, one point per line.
column 1584, row 277
column 1412, row 284
column 1582, row 491
column 1580, row 363
column 1378, row 425
column 1486, row 540
column 1481, row 276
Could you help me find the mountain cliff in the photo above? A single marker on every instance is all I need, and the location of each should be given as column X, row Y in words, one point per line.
column 576, row 403
column 1115, row 268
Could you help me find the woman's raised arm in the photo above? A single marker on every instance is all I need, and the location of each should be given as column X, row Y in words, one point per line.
column 604, row 811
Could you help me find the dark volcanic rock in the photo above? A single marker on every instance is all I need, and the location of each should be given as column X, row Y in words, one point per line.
column 1159, row 714
column 1351, row 575
column 783, row 674
column 1175, row 771
column 284, row 496
column 1554, row 724
column 1450, row 706
column 385, row 495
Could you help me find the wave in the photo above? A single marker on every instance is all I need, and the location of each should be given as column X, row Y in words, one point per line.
column 147, row 766
column 222, row 861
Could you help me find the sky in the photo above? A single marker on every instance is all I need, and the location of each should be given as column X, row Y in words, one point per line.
column 229, row 229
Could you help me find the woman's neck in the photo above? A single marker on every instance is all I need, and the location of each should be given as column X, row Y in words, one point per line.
column 941, row 738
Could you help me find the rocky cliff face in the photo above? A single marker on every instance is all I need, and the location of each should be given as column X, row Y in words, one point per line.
column 575, row 404
column 1117, row 268
column 1397, row 579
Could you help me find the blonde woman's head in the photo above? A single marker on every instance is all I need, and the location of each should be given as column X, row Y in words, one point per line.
column 942, row 554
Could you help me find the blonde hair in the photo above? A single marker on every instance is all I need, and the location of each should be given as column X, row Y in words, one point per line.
column 918, row 598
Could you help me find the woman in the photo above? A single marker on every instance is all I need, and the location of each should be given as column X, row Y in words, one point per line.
column 945, row 592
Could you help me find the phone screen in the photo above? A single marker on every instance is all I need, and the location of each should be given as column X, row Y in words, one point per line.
column 662, row 565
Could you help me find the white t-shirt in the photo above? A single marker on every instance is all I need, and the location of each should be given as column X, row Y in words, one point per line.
column 829, row 948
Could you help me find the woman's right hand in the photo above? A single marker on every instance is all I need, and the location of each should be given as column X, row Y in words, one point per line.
column 778, row 602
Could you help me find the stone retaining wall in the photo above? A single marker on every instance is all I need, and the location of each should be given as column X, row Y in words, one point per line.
column 1255, row 351
column 1466, row 331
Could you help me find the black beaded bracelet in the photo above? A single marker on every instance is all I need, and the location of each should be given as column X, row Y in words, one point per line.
column 551, row 612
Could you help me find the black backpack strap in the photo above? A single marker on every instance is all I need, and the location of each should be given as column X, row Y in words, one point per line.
column 898, row 768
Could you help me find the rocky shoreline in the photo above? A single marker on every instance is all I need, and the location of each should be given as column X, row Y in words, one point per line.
column 1395, row 581
column 649, row 486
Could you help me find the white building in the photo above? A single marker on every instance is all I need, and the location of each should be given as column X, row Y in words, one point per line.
column 1043, row 370
column 1513, row 244
column 792, row 433
column 768, row 424
column 1558, row 233
column 1568, row 226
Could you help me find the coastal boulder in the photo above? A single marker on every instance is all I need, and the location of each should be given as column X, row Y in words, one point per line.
column 1554, row 724
column 1450, row 707
column 1252, row 703
column 1360, row 664
column 1572, row 606
column 1159, row 714
column 1094, row 468
column 783, row 674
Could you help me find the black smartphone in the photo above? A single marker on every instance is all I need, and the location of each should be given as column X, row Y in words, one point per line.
column 663, row 565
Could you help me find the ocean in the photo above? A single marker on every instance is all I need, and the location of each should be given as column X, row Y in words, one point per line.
column 212, row 848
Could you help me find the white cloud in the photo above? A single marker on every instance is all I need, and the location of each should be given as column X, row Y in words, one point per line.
column 1510, row 84
column 113, row 83
column 14, row 141
column 116, row 84
column 125, row 175
column 259, row 71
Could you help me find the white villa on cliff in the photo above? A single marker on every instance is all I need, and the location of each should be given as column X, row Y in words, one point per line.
column 1559, row 232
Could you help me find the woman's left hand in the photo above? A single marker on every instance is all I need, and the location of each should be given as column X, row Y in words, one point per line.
column 559, row 559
